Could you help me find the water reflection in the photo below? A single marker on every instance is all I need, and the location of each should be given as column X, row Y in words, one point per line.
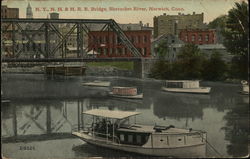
column 180, row 105
column 237, row 129
column 58, row 106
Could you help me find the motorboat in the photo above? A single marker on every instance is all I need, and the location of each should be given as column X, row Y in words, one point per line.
column 245, row 87
column 97, row 83
column 114, row 129
column 185, row 86
column 125, row 92
column 4, row 101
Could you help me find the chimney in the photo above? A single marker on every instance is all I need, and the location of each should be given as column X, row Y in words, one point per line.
column 193, row 13
column 141, row 23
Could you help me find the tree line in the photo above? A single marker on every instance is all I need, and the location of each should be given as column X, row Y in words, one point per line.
column 191, row 63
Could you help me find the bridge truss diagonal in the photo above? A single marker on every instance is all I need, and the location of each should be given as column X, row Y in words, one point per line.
column 48, row 27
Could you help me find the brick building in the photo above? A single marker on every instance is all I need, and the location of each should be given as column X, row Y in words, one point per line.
column 107, row 44
column 198, row 36
column 9, row 12
column 171, row 24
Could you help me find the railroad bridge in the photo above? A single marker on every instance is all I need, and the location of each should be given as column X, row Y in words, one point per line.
column 19, row 43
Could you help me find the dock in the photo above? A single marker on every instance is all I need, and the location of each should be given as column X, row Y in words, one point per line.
column 66, row 70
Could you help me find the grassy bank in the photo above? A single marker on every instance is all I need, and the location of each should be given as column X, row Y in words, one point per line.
column 121, row 65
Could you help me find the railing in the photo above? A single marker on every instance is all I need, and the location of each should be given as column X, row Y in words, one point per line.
column 90, row 129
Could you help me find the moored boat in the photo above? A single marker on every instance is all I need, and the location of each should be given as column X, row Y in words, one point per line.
column 245, row 87
column 4, row 101
column 185, row 86
column 97, row 83
column 125, row 92
column 115, row 131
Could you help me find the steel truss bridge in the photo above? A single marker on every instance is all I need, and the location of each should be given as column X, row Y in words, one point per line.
column 15, row 27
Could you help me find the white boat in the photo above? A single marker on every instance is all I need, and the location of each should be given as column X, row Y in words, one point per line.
column 125, row 92
column 115, row 131
column 245, row 87
column 97, row 83
column 185, row 86
column 138, row 96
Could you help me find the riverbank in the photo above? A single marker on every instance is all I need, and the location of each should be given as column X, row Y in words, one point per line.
column 90, row 71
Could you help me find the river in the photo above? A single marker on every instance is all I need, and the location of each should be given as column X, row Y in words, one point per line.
column 38, row 121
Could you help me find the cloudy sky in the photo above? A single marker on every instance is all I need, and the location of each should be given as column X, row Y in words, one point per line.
column 137, row 10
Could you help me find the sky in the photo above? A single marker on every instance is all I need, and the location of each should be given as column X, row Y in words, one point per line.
column 136, row 10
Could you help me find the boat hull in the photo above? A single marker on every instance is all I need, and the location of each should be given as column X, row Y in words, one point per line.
column 187, row 151
column 201, row 90
column 139, row 96
column 93, row 84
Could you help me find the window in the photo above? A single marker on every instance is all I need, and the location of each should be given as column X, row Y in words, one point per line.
column 121, row 137
column 110, row 51
column 145, row 39
column 114, row 40
column 118, row 40
column 207, row 38
column 132, row 39
column 139, row 39
column 138, row 139
column 144, row 51
column 113, row 52
column 186, row 38
column 100, row 39
column 119, row 51
column 105, row 51
column 111, row 39
column 107, row 39
column 193, row 37
column 200, row 37
column 130, row 138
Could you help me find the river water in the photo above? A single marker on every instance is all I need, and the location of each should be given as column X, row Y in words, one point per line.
column 43, row 110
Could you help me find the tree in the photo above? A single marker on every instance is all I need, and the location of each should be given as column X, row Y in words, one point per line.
column 160, row 70
column 162, row 49
column 219, row 24
column 190, row 60
column 236, row 37
column 214, row 68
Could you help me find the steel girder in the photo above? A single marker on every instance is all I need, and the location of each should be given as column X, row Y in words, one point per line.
column 48, row 26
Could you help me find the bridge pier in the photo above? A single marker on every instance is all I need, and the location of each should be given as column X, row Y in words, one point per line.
column 142, row 68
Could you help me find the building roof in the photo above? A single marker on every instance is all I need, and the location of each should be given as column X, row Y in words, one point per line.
column 114, row 114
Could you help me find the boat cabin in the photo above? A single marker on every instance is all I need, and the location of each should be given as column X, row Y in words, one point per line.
column 114, row 129
column 126, row 91
column 182, row 84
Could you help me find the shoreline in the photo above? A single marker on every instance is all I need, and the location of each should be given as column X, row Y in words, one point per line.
column 229, row 81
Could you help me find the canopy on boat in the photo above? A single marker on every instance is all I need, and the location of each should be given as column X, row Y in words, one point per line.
column 115, row 114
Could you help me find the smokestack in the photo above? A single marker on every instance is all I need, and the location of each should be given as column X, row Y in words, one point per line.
column 141, row 23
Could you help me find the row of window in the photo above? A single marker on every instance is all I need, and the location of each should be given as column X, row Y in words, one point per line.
column 200, row 38
column 117, row 40
column 135, row 139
